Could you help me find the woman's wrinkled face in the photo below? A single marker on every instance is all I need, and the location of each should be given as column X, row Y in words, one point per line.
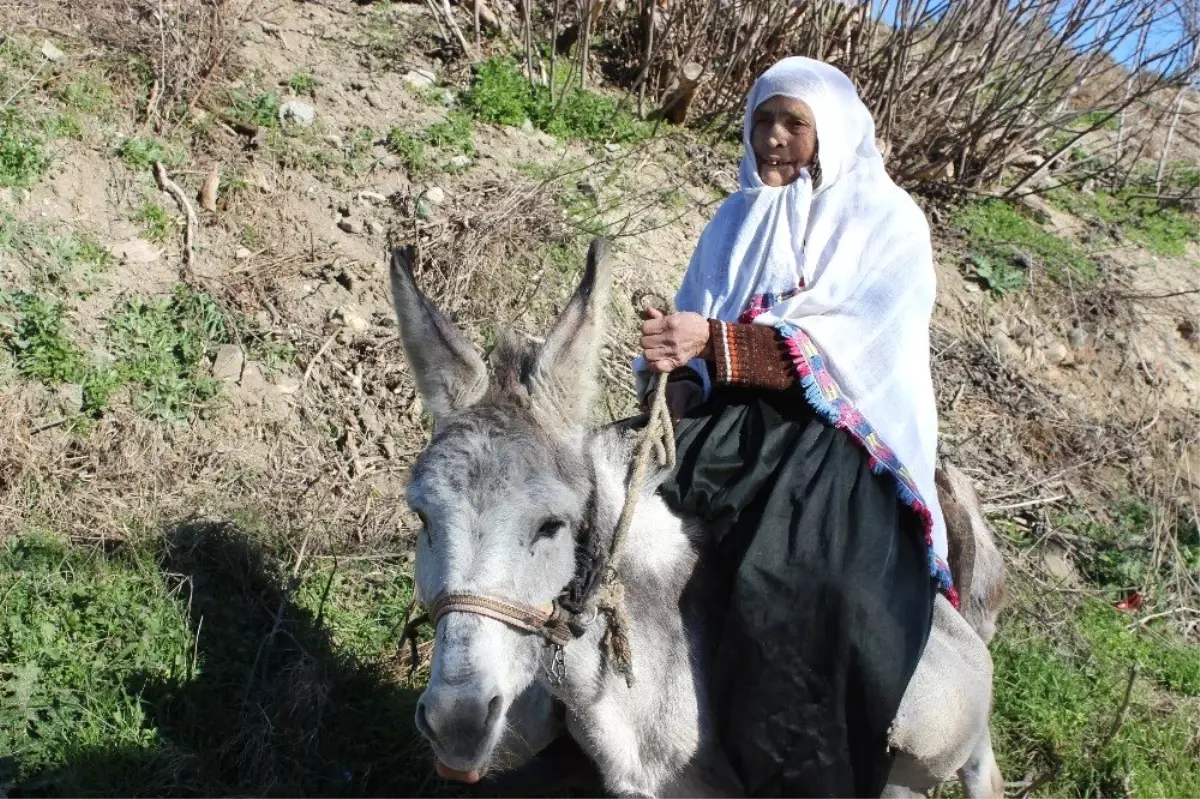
column 784, row 138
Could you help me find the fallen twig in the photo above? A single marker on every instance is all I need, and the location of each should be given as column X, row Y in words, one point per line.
column 1031, row 503
column 189, row 230
column 1145, row 620
column 313, row 361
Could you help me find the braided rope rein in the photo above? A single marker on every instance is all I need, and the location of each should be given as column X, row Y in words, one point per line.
column 658, row 437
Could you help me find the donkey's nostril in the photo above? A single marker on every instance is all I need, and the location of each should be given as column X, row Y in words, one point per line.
column 493, row 714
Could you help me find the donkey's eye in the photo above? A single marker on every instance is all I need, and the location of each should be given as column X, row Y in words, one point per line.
column 549, row 529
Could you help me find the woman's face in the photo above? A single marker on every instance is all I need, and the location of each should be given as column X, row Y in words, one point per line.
column 784, row 138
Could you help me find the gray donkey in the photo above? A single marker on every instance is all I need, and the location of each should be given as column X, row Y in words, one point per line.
column 519, row 497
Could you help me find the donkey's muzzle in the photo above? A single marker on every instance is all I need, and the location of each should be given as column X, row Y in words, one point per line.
column 462, row 726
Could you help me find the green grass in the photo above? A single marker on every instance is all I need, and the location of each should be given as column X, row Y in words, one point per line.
column 59, row 264
column 1162, row 229
column 144, row 152
column 160, row 345
column 453, row 136
column 260, row 110
column 410, row 148
column 501, row 95
column 87, row 94
column 158, row 348
column 996, row 231
column 33, row 330
column 79, row 636
column 303, row 83
column 1057, row 702
column 23, row 158
column 61, row 126
column 192, row 663
column 997, row 276
column 156, row 222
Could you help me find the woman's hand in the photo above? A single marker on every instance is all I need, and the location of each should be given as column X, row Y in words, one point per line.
column 669, row 342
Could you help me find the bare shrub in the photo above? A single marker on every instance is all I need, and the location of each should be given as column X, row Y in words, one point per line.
column 959, row 89
column 187, row 44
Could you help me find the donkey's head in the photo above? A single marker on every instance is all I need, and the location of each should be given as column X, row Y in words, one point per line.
column 502, row 490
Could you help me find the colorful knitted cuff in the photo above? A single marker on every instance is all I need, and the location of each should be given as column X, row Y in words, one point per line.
column 750, row 355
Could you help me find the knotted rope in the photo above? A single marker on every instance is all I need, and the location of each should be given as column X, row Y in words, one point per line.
column 658, row 436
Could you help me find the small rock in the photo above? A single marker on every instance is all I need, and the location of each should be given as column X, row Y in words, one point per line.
column 287, row 384
column 297, row 111
column 546, row 140
column 1057, row 353
column 370, row 420
column 357, row 85
column 1020, row 332
column 51, row 52
column 1058, row 564
column 971, row 288
column 389, row 162
column 373, row 197
column 448, row 99
column 136, row 251
column 435, row 195
column 1008, row 349
column 1076, row 339
column 935, row 217
column 269, row 27
column 424, row 209
column 613, row 147
column 460, row 162
column 350, row 225
column 376, row 100
column 374, row 227
column 208, row 192
column 242, row 253
column 1088, row 187
column 253, row 379
column 333, row 141
column 228, row 363
column 1023, row 260
column 69, row 397
column 527, row 126
column 352, row 320
column 1027, row 161
column 418, row 79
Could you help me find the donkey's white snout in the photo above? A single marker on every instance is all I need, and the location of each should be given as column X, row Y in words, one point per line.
column 461, row 725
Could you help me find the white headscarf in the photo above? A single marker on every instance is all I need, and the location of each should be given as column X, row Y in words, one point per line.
column 845, row 273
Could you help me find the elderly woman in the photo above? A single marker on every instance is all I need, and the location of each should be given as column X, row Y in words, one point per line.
column 799, row 372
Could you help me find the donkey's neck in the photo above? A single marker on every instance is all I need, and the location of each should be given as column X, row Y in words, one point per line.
column 622, row 726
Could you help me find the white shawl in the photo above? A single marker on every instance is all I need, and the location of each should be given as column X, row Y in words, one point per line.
column 845, row 273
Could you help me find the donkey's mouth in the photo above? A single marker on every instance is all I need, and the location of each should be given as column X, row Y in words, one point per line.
column 469, row 777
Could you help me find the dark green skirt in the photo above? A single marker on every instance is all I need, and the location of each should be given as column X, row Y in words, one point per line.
column 830, row 598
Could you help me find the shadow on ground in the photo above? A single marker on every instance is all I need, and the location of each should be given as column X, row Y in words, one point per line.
column 270, row 707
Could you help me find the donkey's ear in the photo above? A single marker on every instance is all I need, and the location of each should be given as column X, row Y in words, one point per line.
column 449, row 374
column 563, row 380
